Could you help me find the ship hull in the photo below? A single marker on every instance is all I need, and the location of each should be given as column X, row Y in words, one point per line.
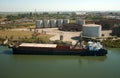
column 55, row 51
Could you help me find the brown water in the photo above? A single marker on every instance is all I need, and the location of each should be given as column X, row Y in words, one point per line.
column 43, row 66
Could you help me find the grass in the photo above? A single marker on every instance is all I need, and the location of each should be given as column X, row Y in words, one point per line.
column 20, row 25
column 15, row 34
column 19, row 34
column 23, row 25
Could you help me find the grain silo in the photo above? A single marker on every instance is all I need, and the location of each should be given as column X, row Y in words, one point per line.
column 80, row 22
column 46, row 23
column 52, row 23
column 66, row 21
column 91, row 30
column 59, row 22
column 39, row 24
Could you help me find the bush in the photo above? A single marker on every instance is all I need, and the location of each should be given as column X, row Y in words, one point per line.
column 111, row 43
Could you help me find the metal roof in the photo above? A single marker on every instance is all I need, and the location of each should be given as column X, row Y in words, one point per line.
column 38, row 45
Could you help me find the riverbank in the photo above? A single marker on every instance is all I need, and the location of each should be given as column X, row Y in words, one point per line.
column 49, row 34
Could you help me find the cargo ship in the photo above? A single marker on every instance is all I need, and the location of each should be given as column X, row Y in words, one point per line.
column 92, row 49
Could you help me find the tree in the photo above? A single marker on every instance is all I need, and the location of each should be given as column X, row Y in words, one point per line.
column 30, row 14
column 0, row 17
column 11, row 17
column 116, row 30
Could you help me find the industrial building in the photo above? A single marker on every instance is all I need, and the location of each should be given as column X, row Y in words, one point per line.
column 71, row 27
column 108, row 24
column 62, row 24
column 46, row 23
column 66, row 21
column 59, row 22
column 52, row 23
column 80, row 22
column 39, row 24
column 91, row 30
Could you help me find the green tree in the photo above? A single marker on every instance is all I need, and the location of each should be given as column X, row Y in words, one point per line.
column 116, row 30
column 11, row 17
column 0, row 17
column 30, row 14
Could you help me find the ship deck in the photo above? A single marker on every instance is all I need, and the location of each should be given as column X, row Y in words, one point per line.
column 38, row 45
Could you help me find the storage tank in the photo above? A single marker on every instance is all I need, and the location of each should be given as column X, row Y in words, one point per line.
column 59, row 22
column 46, row 23
column 80, row 22
column 66, row 21
column 52, row 23
column 91, row 30
column 39, row 24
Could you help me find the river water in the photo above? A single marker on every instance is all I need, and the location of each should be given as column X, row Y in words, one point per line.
column 51, row 66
